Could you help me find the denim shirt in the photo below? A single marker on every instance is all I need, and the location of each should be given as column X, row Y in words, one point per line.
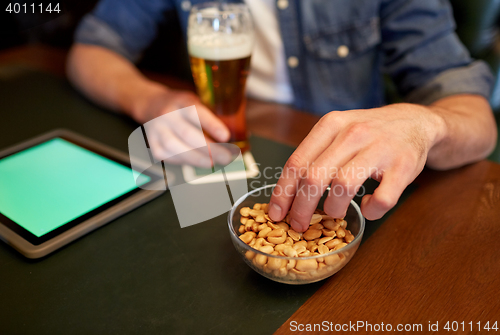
column 337, row 50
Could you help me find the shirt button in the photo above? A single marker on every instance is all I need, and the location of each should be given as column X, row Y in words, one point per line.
column 342, row 51
column 282, row 4
column 186, row 5
column 293, row 61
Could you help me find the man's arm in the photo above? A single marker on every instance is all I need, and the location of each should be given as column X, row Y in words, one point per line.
column 113, row 81
column 390, row 144
column 469, row 131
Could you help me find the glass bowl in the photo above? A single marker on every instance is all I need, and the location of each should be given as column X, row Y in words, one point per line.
column 333, row 261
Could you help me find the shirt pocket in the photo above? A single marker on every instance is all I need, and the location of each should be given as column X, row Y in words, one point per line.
column 343, row 64
column 343, row 43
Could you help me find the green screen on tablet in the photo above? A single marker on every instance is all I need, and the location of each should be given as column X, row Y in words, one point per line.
column 53, row 183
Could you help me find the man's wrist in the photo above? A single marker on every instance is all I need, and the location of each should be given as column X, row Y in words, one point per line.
column 437, row 124
column 141, row 102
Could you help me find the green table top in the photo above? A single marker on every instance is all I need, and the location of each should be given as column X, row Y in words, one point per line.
column 141, row 272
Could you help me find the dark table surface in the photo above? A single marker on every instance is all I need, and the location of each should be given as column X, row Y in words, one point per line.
column 435, row 259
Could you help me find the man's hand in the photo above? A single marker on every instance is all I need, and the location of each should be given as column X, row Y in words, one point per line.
column 181, row 134
column 390, row 144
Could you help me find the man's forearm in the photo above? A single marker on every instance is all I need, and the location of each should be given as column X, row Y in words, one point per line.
column 110, row 80
column 468, row 132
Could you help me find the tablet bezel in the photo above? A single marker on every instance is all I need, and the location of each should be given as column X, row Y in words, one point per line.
column 34, row 247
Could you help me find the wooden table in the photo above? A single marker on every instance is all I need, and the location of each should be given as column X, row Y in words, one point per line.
column 435, row 260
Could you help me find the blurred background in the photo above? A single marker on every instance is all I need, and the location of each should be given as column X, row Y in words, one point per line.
column 478, row 23
column 20, row 29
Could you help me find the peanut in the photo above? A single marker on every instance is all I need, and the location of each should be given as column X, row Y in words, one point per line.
column 249, row 224
column 241, row 230
column 280, row 247
column 258, row 243
column 263, row 233
column 323, row 249
column 277, row 240
column 249, row 255
column 349, row 237
column 331, row 244
column 266, row 249
column 260, row 260
column 290, row 252
column 260, row 219
column 340, row 232
column 300, row 244
column 330, row 224
column 245, row 211
column 262, row 226
column 316, row 218
column 312, row 234
column 284, row 226
column 306, row 265
column 300, row 249
column 255, row 212
column 316, row 226
column 265, row 208
column 247, row 237
column 275, row 263
column 294, row 235
column 339, row 246
column 343, row 223
column 310, row 244
column 272, row 225
column 276, row 233
column 291, row 264
column 265, row 242
column 325, row 239
column 332, row 259
column 328, row 232
column 305, row 253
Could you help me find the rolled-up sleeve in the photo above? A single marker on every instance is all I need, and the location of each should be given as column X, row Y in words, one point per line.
column 126, row 27
column 424, row 56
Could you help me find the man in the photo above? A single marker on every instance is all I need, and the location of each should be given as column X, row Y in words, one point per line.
column 325, row 55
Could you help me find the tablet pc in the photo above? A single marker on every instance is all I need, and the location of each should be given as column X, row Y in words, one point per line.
column 60, row 186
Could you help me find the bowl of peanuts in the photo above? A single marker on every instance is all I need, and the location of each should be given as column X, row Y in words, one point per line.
column 276, row 251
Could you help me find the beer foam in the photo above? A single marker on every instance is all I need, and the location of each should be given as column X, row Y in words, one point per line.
column 217, row 46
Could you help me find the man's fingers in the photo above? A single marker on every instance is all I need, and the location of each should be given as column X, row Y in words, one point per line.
column 211, row 124
column 316, row 142
column 385, row 196
column 187, row 132
column 348, row 181
column 166, row 146
column 312, row 187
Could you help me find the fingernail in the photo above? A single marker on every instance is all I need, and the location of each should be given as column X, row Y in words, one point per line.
column 222, row 135
column 275, row 212
column 296, row 226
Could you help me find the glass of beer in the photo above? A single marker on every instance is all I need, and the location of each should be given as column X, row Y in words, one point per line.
column 220, row 41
